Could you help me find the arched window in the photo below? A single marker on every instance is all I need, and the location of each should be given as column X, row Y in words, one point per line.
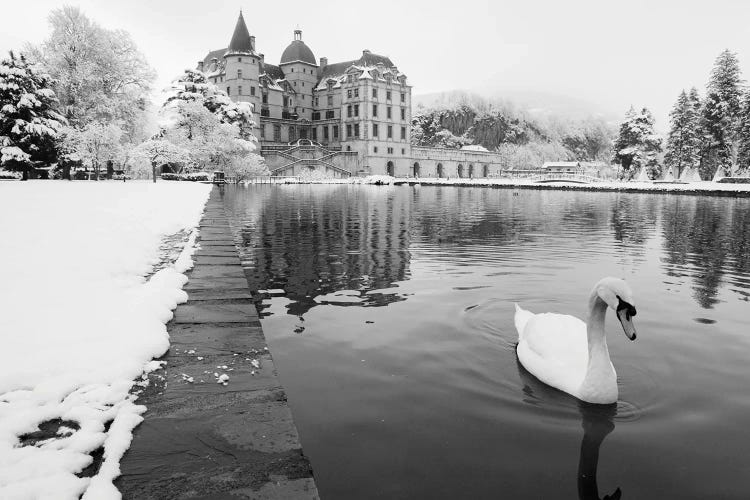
column 485, row 171
column 390, row 170
column 440, row 170
column 460, row 170
column 416, row 169
column 471, row 170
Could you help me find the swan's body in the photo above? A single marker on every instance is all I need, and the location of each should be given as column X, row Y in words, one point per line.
column 564, row 352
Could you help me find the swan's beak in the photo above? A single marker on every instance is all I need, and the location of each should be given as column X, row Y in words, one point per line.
column 626, row 320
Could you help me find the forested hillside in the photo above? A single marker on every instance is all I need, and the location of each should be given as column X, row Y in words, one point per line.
column 499, row 126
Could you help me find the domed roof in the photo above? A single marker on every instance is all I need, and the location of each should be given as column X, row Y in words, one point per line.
column 298, row 51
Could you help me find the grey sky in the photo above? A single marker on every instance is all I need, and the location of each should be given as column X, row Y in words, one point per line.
column 610, row 54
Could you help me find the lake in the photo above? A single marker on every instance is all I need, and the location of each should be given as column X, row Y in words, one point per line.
column 389, row 312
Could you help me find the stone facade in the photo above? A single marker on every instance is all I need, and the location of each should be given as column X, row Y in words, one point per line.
column 346, row 118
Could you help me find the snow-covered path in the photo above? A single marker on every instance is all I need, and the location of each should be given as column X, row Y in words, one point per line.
column 78, row 322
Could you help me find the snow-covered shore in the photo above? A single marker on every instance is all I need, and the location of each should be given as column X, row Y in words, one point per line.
column 700, row 187
column 79, row 322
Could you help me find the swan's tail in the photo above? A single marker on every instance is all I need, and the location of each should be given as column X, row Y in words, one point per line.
column 522, row 317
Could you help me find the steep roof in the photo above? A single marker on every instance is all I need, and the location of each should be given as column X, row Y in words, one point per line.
column 241, row 42
column 367, row 59
column 272, row 71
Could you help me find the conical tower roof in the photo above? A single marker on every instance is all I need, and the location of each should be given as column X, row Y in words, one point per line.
column 241, row 41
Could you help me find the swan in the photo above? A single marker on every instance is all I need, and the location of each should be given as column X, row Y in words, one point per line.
column 564, row 352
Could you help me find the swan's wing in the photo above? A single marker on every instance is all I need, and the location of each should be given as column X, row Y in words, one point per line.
column 555, row 349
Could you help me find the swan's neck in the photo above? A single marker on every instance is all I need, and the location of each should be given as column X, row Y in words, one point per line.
column 600, row 382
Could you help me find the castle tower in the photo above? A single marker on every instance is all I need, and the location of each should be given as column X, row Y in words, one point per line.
column 242, row 68
column 301, row 71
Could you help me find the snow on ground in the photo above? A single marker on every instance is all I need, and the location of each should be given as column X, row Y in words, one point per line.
column 79, row 322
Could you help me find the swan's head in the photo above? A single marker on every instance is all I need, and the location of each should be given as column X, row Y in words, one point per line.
column 618, row 296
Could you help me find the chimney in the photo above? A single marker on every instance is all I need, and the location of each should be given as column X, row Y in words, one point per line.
column 323, row 62
column 200, row 65
column 252, row 41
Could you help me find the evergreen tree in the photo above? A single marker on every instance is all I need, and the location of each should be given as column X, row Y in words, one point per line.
column 29, row 126
column 683, row 142
column 720, row 114
column 743, row 138
column 637, row 146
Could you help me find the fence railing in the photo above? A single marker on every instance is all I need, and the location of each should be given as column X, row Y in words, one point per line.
column 273, row 179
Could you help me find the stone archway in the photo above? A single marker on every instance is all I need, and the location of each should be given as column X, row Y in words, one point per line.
column 471, row 170
column 416, row 169
column 485, row 170
column 440, row 170
column 390, row 169
column 460, row 170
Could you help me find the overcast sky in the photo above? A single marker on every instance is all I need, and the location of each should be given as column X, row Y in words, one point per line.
column 606, row 53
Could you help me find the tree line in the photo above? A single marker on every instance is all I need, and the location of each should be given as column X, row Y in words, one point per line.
column 82, row 100
column 709, row 135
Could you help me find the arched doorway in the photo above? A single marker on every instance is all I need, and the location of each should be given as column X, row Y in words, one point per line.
column 471, row 170
column 389, row 169
column 460, row 170
column 440, row 170
column 416, row 169
column 485, row 171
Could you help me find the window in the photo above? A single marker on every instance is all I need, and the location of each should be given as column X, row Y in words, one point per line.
column 388, row 112
column 239, row 59
column 335, row 131
column 239, row 89
column 265, row 98
column 388, row 95
column 277, row 133
column 349, row 79
column 292, row 134
column 228, row 93
column 295, row 84
column 325, row 133
column 374, row 110
column 239, row 74
column 375, row 131
column 375, row 149
column 286, row 101
column 262, row 131
column 252, row 90
column 348, row 130
column 403, row 151
column 403, row 133
column 374, row 93
column 329, row 113
column 264, row 112
column 356, row 130
column 303, row 84
column 349, row 94
column 356, row 92
column 349, row 111
column 403, row 113
column 315, row 133
column 330, row 100
column 356, row 110
column 390, row 151
column 316, row 102
column 316, row 115
column 390, row 131
column 292, row 70
column 403, row 97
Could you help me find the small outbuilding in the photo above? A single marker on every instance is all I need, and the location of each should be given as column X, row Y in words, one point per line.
column 567, row 167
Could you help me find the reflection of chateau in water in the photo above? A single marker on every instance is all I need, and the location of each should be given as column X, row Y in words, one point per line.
column 324, row 239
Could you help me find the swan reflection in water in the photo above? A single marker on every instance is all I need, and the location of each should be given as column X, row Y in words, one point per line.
column 597, row 422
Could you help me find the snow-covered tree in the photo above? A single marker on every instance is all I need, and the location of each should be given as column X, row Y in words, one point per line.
column 95, row 144
column 743, row 138
column 29, row 125
column 637, row 146
column 100, row 74
column 157, row 152
column 720, row 113
column 683, row 142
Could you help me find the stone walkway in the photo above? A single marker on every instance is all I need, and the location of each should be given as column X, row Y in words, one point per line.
column 201, row 439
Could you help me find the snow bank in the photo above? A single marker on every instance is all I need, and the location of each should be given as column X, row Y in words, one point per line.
column 78, row 322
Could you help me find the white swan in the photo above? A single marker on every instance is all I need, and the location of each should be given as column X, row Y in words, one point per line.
column 570, row 355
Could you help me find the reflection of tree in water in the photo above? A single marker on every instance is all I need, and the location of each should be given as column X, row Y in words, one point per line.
column 312, row 242
column 633, row 219
column 706, row 238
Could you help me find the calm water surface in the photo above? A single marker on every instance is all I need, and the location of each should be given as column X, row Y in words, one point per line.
column 389, row 311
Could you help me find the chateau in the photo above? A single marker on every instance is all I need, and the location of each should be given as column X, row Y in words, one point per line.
column 344, row 118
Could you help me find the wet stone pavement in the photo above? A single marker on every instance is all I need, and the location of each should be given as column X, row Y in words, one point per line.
column 202, row 439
